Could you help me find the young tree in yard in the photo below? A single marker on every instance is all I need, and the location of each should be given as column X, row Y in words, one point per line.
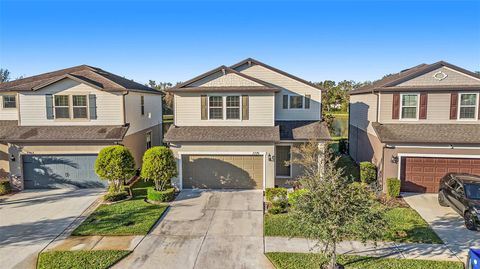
column 159, row 165
column 115, row 164
column 333, row 208
column 4, row 75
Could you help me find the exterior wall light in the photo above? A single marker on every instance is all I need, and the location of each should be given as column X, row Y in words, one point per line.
column 12, row 157
column 394, row 159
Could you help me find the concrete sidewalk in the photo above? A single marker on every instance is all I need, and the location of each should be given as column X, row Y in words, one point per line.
column 382, row 249
column 96, row 243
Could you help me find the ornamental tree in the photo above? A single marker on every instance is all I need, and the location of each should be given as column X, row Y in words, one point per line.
column 333, row 208
column 160, row 166
column 115, row 164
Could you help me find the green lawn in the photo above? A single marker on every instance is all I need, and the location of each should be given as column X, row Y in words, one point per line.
column 92, row 259
column 404, row 225
column 133, row 217
column 307, row 261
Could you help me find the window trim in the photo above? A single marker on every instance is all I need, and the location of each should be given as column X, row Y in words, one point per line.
column 85, row 106
column 148, row 135
column 70, row 107
column 460, row 106
column 417, row 112
column 224, row 107
column 291, row 166
column 3, row 102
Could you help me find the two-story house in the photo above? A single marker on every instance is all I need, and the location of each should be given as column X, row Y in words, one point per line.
column 234, row 127
column 418, row 125
column 53, row 125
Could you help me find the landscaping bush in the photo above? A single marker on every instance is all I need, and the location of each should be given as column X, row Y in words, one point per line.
column 115, row 164
column 277, row 200
column 160, row 196
column 368, row 172
column 115, row 196
column 393, row 187
column 343, row 146
column 5, row 187
column 293, row 196
column 160, row 166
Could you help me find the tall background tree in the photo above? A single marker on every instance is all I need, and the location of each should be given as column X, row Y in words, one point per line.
column 167, row 98
column 335, row 96
column 4, row 75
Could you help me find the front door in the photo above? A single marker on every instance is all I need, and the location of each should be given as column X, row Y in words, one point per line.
column 282, row 168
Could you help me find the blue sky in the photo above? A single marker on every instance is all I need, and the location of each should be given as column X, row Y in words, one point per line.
column 176, row 40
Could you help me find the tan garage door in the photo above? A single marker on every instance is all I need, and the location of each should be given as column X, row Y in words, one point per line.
column 222, row 171
column 424, row 174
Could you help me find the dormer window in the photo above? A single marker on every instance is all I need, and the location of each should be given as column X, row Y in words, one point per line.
column 468, row 106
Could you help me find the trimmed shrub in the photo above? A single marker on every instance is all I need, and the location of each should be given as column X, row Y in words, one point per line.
column 160, row 166
column 293, row 196
column 115, row 196
column 393, row 187
column 277, row 199
column 115, row 164
column 368, row 172
column 160, row 196
column 5, row 187
column 271, row 193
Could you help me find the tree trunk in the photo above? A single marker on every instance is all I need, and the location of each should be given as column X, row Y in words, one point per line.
column 333, row 261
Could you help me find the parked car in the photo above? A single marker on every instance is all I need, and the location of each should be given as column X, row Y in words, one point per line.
column 462, row 193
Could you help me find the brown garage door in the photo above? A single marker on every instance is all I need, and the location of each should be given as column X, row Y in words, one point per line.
column 424, row 174
column 222, row 171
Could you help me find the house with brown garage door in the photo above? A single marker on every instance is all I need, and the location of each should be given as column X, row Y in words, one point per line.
column 53, row 125
column 234, row 127
column 418, row 125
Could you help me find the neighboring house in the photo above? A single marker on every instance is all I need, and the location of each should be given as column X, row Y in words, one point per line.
column 418, row 125
column 53, row 125
column 234, row 127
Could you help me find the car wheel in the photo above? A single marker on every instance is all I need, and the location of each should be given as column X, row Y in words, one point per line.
column 470, row 222
column 441, row 199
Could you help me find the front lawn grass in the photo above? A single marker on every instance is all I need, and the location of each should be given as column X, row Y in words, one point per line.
column 404, row 225
column 132, row 217
column 92, row 259
column 311, row 260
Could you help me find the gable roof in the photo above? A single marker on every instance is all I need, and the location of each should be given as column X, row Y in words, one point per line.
column 389, row 83
column 187, row 85
column 92, row 76
column 252, row 61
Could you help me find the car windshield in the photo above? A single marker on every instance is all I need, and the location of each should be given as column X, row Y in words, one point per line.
column 472, row 191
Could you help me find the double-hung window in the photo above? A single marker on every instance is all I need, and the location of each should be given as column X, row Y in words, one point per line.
column 215, row 107
column 80, row 109
column 233, row 107
column 9, row 101
column 148, row 140
column 62, row 107
column 409, row 108
column 468, row 106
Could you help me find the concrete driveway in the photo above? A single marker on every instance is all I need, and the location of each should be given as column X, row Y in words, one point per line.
column 206, row 229
column 29, row 220
column 448, row 225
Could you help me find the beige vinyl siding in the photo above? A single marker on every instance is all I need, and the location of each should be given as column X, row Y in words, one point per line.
column 4, row 160
column 234, row 148
column 453, row 78
column 8, row 113
column 219, row 80
column 289, row 86
column 153, row 111
column 438, row 110
column 33, row 110
column 363, row 111
column 188, row 110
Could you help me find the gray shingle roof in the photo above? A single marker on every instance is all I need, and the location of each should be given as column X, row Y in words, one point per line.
column 222, row 134
column 428, row 133
column 303, row 130
column 11, row 132
column 92, row 75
